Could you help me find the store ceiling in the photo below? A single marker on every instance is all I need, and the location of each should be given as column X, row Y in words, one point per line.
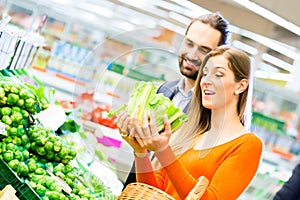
column 276, row 47
column 249, row 20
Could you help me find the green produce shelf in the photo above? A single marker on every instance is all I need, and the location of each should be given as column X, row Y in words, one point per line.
column 9, row 177
column 25, row 192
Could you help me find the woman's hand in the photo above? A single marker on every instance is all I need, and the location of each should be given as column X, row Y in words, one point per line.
column 123, row 122
column 147, row 135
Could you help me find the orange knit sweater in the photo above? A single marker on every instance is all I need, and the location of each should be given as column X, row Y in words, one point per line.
column 230, row 167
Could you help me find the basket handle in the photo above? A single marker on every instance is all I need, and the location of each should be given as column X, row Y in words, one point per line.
column 199, row 189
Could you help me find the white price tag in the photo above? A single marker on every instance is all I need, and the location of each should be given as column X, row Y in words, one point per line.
column 2, row 129
column 64, row 185
column 53, row 117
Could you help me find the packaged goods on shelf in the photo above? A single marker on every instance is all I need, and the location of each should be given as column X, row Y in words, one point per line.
column 18, row 49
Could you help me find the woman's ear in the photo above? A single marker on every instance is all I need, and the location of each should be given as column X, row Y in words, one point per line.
column 243, row 85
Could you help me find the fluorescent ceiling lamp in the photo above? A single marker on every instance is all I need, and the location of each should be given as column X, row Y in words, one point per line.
column 269, row 15
column 132, row 12
column 195, row 10
column 276, row 61
column 274, row 76
column 86, row 16
column 99, row 10
column 180, row 18
column 124, row 25
column 146, row 7
column 245, row 47
column 267, row 68
column 134, row 3
column 136, row 17
column 63, row 2
column 275, row 45
column 171, row 6
column 171, row 26
column 103, row 3
column 143, row 22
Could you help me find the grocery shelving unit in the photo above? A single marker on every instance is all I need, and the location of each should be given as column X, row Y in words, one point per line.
column 276, row 166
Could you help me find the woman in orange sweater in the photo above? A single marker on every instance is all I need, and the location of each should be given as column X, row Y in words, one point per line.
column 214, row 142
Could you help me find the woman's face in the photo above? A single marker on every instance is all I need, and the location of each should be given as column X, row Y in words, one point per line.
column 218, row 84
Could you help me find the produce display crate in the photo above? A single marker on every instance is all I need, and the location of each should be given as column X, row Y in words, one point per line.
column 9, row 177
column 25, row 192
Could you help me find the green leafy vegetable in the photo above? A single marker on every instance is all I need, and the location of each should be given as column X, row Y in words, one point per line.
column 144, row 98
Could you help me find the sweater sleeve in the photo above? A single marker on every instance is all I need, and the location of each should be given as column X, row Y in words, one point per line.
column 231, row 178
column 144, row 171
column 234, row 175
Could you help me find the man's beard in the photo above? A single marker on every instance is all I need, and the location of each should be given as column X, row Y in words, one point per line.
column 193, row 74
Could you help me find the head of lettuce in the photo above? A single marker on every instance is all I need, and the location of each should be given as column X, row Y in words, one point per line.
column 144, row 98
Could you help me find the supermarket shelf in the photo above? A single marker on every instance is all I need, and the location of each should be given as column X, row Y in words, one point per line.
column 68, row 88
column 121, row 154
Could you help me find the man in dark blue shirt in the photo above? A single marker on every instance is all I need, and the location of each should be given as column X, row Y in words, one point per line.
column 291, row 189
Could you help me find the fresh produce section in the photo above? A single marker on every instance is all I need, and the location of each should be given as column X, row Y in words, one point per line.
column 40, row 159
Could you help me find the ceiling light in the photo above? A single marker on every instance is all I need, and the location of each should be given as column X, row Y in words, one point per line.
column 195, row 10
column 86, row 15
column 97, row 9
column 62, row 1
column 245, row 47
column 137, row 4
column 267, row 68
column 269, row 15
column 124, row 25
column 182, row 19
column 136, row 17
column 277, row 62
column 273, row 76
column 171, row 26
column 103, row 3
column 275, row 45
column 146, row 7
column 171, row 6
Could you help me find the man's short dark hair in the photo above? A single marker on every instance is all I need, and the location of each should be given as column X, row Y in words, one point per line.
column 218, row 22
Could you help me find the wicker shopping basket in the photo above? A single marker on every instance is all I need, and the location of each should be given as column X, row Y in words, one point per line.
column 143, row 191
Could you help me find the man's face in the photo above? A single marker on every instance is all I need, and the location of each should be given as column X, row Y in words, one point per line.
column 199, row 40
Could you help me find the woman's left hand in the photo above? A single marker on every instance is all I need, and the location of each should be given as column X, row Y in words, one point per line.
column 147, row 135
column 127, row 132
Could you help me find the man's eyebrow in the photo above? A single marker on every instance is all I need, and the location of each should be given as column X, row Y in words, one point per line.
column 190, row 40
column 199, row 46
column 205, row 47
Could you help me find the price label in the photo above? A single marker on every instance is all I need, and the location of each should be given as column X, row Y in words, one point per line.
column 53, row 117
column 64, row 185
column 2, row 129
